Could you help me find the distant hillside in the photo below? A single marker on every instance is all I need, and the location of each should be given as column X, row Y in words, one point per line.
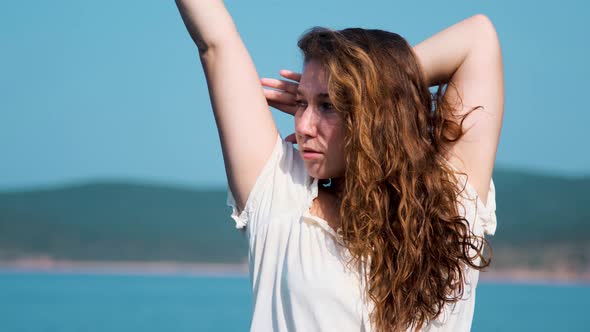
column 543, row 221
column 120, row 221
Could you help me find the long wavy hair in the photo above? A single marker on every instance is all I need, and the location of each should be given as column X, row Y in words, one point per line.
column 399, row 204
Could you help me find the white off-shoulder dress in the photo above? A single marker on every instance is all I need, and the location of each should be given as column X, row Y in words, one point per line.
column 297, row 266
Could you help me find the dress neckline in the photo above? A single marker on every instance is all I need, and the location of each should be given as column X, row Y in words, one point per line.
column 312, row 193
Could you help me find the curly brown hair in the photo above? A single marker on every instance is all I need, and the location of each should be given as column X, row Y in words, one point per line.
column 399, row 203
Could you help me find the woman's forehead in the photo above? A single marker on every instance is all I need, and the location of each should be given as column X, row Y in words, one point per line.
column 314, row 80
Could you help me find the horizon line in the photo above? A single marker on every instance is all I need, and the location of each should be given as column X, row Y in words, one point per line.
column 191, row 185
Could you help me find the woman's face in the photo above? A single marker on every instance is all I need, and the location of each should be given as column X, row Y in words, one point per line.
column 319, row 128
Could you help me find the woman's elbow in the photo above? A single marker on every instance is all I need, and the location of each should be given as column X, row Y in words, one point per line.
column 485, row 28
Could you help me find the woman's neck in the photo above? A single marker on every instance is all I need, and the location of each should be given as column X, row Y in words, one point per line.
column 333, row 185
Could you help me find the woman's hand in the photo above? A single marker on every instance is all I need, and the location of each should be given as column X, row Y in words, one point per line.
column 283, row 94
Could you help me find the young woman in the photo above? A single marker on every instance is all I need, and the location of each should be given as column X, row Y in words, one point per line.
column 377, row 221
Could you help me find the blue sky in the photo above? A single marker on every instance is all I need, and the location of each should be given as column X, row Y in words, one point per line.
column 114, row 89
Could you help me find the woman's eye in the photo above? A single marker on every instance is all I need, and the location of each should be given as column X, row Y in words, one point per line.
column 327, row 106
column 300, row 104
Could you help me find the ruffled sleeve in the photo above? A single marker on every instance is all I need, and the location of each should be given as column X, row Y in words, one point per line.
column 487, row 213
column 484, row 214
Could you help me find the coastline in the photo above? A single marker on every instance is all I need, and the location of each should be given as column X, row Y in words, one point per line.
column 172, row 268
column 164, row 268
column 531, row 276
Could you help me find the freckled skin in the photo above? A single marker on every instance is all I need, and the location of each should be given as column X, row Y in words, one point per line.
column 318, row 126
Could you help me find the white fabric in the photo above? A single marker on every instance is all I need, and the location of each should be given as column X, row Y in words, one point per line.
column 297, row 270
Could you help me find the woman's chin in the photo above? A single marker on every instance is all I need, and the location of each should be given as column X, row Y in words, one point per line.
column 316, row 174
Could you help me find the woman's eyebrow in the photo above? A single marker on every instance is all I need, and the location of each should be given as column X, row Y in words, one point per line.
column 323, row 95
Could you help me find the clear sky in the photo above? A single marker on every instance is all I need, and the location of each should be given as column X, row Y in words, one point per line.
column 111, row 89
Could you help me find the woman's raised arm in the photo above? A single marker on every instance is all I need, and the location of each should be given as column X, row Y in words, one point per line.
column 468, row 56
column 246, row 127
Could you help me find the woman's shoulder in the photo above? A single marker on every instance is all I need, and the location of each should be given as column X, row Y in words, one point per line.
column 292, row 166
column 281, row 186
column 287, row 184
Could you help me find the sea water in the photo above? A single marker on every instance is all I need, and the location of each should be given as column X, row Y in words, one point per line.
column 73, row 302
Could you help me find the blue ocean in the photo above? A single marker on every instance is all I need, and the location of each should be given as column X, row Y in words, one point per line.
column 73, row 302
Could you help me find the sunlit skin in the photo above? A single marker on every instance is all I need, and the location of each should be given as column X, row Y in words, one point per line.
column 318, row 126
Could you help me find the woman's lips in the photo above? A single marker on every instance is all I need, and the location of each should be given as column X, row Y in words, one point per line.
column 311, row 154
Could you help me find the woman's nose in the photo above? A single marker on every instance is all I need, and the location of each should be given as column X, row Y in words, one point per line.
column 305, row 123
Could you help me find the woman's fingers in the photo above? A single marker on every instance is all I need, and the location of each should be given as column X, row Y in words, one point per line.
column 282, row 93
column 290, row 87
column 289, row 74
column 289, row 109
column 291, row 138
column 279, row 97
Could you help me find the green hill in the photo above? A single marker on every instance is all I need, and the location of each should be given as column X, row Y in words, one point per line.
column 543, row 221
column 120, row 221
